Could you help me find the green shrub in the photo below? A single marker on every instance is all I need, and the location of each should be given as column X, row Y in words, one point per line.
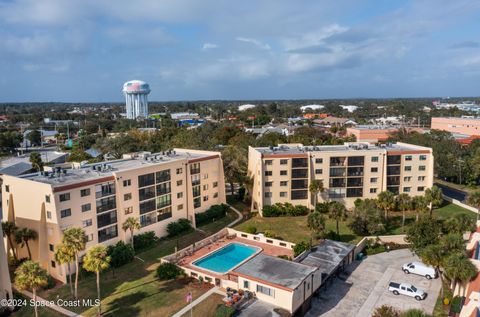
column 284, row 210
column 224, row 311
column 144, row 240
column 168, row 271
column 181, row 226
column 456, row 304
column 251, row 229
column 300, row 247
column 120, row 254
column 50, row 283
column 214, row 212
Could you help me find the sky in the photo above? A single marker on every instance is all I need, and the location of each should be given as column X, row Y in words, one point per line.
column 84, row 50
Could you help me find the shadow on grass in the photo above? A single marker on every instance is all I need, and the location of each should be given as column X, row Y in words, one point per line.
column 124, row 306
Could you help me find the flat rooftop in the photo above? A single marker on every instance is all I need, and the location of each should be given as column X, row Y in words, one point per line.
column 327, row 256
column 275, row 270
column 346, row 147
column 109, row 168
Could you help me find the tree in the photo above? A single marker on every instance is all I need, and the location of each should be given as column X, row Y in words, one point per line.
column 65, row 255
column 459, row 223
column 35, row 137
column 75, row 239
column 131, row 224
column 316, row 187
column 386, row 202
column 367, row 218
column 29, row 275
column 9, row 229
column 459, row 269
column 385, row 311
column 434, row 255
column 9, row 140
column 404, row 203
column 474, row 200
column 234, row 165
column 22, row 237
column 96, row 260
column 434, row 198
column 36, row 161
column 420, row 205
column 337, row 212
column 423, row 233
column 452, row 243
column 168, row 271
column 316, row 222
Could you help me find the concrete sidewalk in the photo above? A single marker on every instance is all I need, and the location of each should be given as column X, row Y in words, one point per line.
column 55, row 307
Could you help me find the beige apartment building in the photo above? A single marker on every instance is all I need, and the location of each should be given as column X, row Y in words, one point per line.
column 461, row 125
column 5, row 284
column 157, row 189
column 349, row 171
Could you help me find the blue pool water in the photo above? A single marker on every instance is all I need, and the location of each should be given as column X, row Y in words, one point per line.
column 226, row 258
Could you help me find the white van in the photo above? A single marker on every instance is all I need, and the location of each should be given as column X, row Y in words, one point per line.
column 420, row 269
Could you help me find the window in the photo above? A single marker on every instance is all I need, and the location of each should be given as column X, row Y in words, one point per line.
column 215, row 195
column 268, row 184
column 283, row 194
column 373, row 190
column 407, row 168
column 53, row 263
column 179, row 171
column 268, row 194
column 194, row 168
column 47, row 198
column 87, row 223
column 65, row 213
column 106, row 219
column 268, row 162
column 146, row 180
column 50, row 247
column 205, row 198
column 127, row 196
column 49, row 214
column 283, row 162
column 420, row 188
column 179, row 195
column 374, row 159
column 7, row 188
column 319, row 160
column 128, row 210
column 374, row 169
column 103, row 190
column 265, row 290
column 89, row 237
column 86, row 207
column 205, row 187
column 283, row 173
column 283, row 183
column 146, row 193
column 197, row 202
column 107, row 233
column 407, row 189
column 318, row 171
column 422, row 168
column 373, row 180
column 246, row 284
column 421, row 178
column 85, row 192
column 268, row 173
column 162, row 176
column 407, row 178
column 408, row 157
column 163, row 188
column 65, row 197
column 179, row 183
column 423, row 157
column 127, row 182
column 164, row 201
column 215, row 184
column 180, row 207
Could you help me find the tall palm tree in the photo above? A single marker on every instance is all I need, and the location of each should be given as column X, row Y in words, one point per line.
column 386, row 202
column 65, row 255
column 434, row 198
column 474, row 200
column 459, row 269
column 404, row 202
column 9, row 228
column 338, row 212
column 453, row 243
column 75, row 239
column 316, row 187
column 22, row 237
column 420, row 205
column 29, row 275
column 434, row 255
column 131, row 224
column 97, row 260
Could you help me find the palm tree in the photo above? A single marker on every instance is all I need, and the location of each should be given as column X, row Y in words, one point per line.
column 434, row 255
column 65, row 255
column 29, row 275
column 404, row 202
column 131, row 224
column 474, row 200
column 459, row 268
column 75, row 239
column 22, row 237
column 316, row 222
column 420, row 205
column 316, row 187
column 338, row 212
column 97, row 260
column 453, row 243
column 9, row 228
column 434, row 198
column 386, row 202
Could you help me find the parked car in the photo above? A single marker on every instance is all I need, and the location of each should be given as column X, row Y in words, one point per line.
column 420, row 269
column 406, row 289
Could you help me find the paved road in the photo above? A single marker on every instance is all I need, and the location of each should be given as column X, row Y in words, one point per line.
column 366, row 288
column 453, row 193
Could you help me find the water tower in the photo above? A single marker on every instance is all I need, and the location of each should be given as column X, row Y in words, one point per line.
column 136, row 92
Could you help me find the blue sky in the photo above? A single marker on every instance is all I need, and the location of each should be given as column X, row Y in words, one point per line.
column 83, row 50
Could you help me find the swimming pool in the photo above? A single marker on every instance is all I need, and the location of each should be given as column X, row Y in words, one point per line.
column 225, row 259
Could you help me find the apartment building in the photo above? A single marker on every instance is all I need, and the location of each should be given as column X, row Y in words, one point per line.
column 377, row 133
column 5, row 284
column 349, row 171
column 462, row 125
column 156, row 188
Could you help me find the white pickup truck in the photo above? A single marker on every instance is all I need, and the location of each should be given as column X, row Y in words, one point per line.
column 406, row 289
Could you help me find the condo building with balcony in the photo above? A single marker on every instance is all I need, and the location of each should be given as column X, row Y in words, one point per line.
column 157, row 189
column 350, row 171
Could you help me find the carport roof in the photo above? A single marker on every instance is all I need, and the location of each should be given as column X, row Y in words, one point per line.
column 327, row 256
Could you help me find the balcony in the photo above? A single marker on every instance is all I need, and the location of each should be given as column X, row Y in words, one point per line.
column 356, row 161
column 299, row 162
column 300, row 173
column 107, row 219
column 106, row 204
column 337, row 161
column 394, row 159
column 355, row 171
column 107, row 234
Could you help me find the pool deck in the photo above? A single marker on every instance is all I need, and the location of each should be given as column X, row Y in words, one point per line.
column 266, row 249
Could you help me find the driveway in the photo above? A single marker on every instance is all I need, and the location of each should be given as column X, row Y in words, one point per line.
column 367, row 288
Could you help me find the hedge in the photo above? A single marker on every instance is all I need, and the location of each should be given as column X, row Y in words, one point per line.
column 214, row 212
column 144, row 240
column 284, row 210
column 168, row 271
column 120, row 254
column 177, row 228
column 224, row 311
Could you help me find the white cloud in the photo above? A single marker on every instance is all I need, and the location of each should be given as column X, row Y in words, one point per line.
column 255, row 42
column 208, row 46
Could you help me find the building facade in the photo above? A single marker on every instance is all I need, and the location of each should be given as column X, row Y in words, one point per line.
column 462, row 125
column 353, row 170
column 157, row 189
column 376, row 133
column 5, row 284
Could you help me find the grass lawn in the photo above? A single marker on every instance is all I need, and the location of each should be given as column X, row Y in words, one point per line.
column 207, row 307
column 133, row 290
column 28, row 311
column 241, row 206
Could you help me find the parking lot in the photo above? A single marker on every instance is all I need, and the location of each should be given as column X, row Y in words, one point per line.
column 366, row 287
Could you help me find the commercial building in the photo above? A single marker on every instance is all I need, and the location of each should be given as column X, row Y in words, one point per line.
column 376, row 133
column 353, row 170
column 5, row 284
column 156, row 188
column 462, row 125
